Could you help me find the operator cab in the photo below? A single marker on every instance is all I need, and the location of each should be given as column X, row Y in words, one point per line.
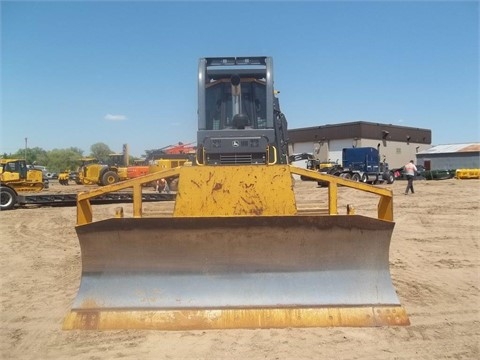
column 239, row 118
column 236, row 103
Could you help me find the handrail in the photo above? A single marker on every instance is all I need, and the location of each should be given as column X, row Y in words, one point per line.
column 385, row 204
column 274, row 155
column 84, row 208
column 384, row 207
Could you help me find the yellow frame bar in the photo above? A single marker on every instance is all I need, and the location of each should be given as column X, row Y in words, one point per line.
column 384, row 208
column 385, row 204
column 84, row 208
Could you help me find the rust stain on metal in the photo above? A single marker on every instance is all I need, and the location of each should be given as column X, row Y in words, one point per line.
column 210, row 177
column 89, row 304
column 248, row 186
column 256, row 211
column 253, row 208
column 88, row 320
column 195, row 183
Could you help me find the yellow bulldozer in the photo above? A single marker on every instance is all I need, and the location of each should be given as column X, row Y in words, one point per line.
column 15, row 176
column 236, row 252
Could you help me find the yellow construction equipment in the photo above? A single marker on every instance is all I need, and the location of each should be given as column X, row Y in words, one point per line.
column 467, row 173
column 15, row 173
column 93, row 172
column 64, row 177
column 168, row 161
column 15, row 176
column 236, row 252
column 119, row 163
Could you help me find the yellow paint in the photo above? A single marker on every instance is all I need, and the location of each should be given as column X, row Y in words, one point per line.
column 467, row 173
column 235, row 191
column 31, row 181
column 260, row 190
column 201, row 319
column 385, row 204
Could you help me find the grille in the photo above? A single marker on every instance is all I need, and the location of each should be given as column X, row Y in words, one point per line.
column 236, row 159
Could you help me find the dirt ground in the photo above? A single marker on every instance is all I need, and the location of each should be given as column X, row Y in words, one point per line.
column 434, row 260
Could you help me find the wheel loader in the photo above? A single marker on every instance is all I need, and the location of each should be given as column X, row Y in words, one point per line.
column 237, row 252
column 92, row 172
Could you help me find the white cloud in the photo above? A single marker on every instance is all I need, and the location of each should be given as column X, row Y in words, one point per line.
column 111, row 117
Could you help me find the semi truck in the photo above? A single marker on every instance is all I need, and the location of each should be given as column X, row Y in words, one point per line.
column 362, row 164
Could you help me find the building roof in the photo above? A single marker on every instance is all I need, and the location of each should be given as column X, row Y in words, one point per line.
column 452, row 148
column 361, row 130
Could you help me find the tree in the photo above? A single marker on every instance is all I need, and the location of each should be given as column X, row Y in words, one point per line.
column 100, row 151
column 34, row 155
column 56, row 160
column 64, row 159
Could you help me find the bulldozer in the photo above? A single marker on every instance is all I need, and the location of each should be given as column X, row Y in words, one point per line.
column 237, row 252
column 15, row 177
column 16, row 174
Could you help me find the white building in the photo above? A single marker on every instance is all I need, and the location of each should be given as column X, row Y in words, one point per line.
column 448, row 157
column 397, row 144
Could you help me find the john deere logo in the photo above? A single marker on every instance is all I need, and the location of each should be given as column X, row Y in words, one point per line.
column 235, row 143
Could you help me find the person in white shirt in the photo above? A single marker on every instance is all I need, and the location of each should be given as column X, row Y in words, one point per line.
column 410, row 171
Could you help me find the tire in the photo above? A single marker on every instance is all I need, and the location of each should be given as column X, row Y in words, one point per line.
column 109, row 178
column 8, row 198
column 364, row 178
column 390, row 178
column 173, row 184
column 356, row 177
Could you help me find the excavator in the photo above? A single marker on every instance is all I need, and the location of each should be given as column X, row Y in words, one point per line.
column 237, row 251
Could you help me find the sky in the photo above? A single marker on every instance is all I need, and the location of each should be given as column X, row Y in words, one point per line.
column 75, row 73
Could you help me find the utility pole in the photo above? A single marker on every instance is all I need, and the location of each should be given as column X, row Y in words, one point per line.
column 26, row 139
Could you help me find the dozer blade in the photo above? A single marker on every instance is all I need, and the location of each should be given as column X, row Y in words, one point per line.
column 235, row 272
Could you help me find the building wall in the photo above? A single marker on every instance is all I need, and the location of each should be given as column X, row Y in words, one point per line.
column 397, row 144
column 396, row 154
column 470, row 160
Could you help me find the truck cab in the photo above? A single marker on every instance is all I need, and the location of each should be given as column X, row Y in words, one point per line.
column 364, row 164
